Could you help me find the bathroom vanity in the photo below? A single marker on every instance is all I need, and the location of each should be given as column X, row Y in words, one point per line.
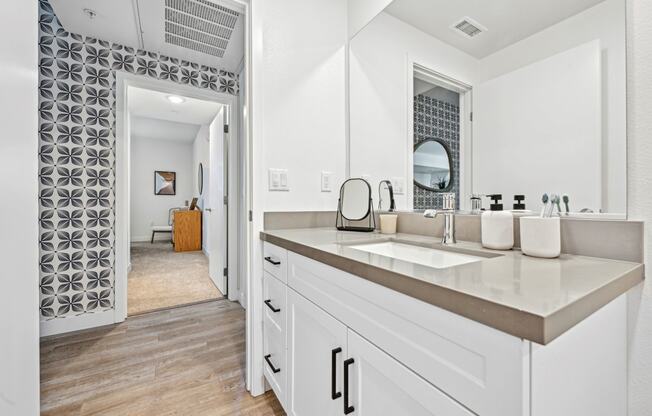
column 368, row 324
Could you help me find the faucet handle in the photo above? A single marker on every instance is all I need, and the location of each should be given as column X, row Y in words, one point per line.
column 430, row 213
column 448, row 202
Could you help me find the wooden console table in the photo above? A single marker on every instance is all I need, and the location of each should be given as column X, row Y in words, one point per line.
column 187, row 230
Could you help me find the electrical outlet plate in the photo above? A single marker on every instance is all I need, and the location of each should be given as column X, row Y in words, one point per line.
column 398, row 185
column 278, row 180
column 326, row 181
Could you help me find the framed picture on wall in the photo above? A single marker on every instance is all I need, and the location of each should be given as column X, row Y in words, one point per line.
column 165, row 183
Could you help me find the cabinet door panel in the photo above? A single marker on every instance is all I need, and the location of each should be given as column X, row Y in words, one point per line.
column 381, row 386
column 312, row 336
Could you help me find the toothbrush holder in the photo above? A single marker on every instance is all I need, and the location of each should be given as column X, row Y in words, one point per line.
column 541, row 236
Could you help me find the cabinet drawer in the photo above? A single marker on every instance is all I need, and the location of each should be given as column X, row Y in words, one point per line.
column 275, row 359
column 274, row 301
column 478, row 366
column 275, row 261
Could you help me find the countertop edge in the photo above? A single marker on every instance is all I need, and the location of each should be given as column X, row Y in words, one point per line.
column 539, row 329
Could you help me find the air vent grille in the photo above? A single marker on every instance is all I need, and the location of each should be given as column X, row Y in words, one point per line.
column 468, row 27
column 199, row 25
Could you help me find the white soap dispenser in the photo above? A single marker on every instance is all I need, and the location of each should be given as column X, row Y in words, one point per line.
column 497, row 226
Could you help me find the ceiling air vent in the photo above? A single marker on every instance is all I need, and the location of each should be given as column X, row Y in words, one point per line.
column 199, row 25
column 468, row 27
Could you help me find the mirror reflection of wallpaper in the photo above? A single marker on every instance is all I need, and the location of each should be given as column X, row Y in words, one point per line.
column 77, row 158
column 438, row 119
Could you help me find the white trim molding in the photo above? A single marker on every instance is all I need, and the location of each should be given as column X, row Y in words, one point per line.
column 77, row 323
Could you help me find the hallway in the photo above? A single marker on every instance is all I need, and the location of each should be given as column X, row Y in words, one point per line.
column 182, row 361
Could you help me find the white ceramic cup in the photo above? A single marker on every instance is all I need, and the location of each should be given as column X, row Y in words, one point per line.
column 541, row 237
column 388, row 223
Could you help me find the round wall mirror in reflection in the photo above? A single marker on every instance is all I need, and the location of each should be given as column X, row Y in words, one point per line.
column 432, row 166
column 355, row 195
column 200, row 179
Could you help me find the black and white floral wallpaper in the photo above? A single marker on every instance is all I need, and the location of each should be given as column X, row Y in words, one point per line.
column 440, row 120
column 77, row 158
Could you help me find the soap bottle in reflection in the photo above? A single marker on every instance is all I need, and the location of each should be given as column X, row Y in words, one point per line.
column 497, row 226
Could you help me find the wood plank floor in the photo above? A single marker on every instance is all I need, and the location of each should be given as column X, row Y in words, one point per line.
column 184, row 361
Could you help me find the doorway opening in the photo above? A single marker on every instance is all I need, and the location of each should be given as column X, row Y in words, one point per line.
column 177, row 218
column 439, row 136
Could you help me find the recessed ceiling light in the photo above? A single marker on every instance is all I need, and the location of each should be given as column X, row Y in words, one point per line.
column 175, row 99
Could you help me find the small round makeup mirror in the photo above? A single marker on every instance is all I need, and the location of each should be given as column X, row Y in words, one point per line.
column 200, row 179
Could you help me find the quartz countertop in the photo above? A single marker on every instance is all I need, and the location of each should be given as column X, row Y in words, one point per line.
column 532, row 298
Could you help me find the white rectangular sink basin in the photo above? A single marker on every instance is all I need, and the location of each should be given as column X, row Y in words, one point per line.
column 431, row 257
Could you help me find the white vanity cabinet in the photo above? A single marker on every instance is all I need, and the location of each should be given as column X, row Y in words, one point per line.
column 356, row 347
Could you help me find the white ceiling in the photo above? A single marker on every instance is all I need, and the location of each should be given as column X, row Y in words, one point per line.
column 154, row 104
column 141, row 24
column 152, row 128
column 152, row 115
column 507, row 21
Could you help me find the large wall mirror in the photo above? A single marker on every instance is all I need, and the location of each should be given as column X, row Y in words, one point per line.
column 524, row 98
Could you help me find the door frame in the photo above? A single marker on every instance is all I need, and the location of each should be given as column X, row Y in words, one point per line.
column 122, row 174
column 465, row 89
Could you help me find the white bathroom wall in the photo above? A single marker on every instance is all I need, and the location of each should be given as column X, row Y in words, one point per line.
column 201, row 154
column 527, row 135
column 639, row 186
column 361, row 12
column 19, row 344
column 603, row 22
column 302, row 98
column 147, row 209
column 379, row 94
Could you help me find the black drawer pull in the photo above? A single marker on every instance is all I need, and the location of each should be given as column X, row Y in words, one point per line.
column 271, row 366
column 274, row 262
column 347, row 409
column 334, row 394
column 268, row 302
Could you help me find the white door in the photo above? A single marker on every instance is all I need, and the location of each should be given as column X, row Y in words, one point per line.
column 316, row 347
column 217, row 218
column 381, row 386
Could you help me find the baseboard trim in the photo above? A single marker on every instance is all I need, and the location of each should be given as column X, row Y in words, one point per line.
column 77, row 323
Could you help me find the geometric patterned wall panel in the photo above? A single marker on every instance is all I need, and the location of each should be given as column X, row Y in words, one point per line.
column 440, row 120
column 77, row 158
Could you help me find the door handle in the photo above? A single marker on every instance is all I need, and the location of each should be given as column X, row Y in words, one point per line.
column 334, row 394
column 271, row 366
column 274, row 262
column 208, row 210
column 347, row 409
column 268, row 302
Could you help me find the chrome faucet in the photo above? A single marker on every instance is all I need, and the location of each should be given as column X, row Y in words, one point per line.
column 448, row 210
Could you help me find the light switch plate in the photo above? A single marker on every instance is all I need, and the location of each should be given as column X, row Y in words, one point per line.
column 326, row 181
column 398, row 185
column 278, row 180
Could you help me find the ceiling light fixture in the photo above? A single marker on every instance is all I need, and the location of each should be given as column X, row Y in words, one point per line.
column 175, row 99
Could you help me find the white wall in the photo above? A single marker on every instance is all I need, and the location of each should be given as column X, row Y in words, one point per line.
column 147, row 209
column 302, row 93
column 540, row 137
column 19, row 347
column 639, row 191
column 201, row 154
column 361, row 12
column 604, row 22
column 379, row 72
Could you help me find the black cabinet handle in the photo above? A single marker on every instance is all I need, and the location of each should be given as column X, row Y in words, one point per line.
column 274, row 262
column 347, row 409
column 271, row 366
column 334, row 394
column 268, row 302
